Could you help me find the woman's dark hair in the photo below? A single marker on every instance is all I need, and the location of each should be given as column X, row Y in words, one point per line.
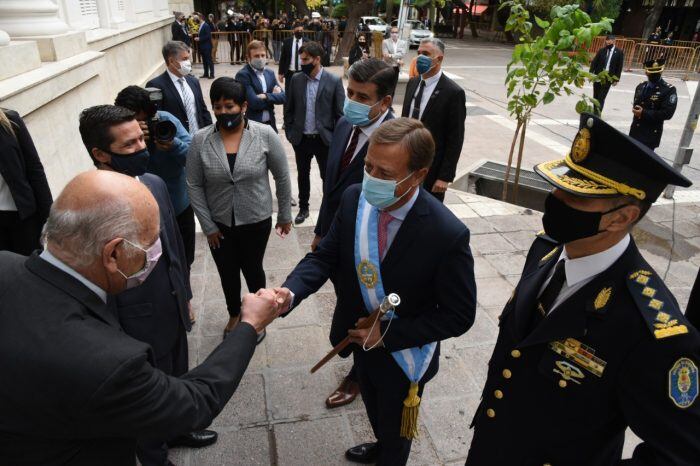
column 227, row 88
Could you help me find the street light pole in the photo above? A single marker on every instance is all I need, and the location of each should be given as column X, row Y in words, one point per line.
column 684, row 151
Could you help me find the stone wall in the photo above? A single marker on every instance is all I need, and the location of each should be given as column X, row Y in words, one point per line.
column 51, row 97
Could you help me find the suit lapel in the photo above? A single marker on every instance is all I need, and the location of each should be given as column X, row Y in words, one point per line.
column 411, row 229
column 408, row 98
column 255, row 81
column 72, row 287
column 171, row 87
column 333, row 167
column 433, row 97
column 217, row 146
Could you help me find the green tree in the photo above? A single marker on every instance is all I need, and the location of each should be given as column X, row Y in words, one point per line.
column 544, row 67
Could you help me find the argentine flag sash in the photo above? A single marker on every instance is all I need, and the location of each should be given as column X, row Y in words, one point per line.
column 413, row 361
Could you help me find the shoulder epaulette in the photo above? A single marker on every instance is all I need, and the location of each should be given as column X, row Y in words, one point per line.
column 659, row 310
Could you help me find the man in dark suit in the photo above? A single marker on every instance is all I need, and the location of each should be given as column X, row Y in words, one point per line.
column 179, row 30
column 609, row 59
column 314, row 105
column 290, row 60
column 391, row 236
column 262, row 90
column 592, row 341
column 25, row 196
column 440, row 104
column 76, row 389
column 205, row 48
column 654, row 102
column 157, row 313
column 182, row 94
column 371, row 84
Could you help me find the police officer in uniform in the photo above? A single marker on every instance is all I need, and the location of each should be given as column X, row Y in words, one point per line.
column 654, row 102
column 592, row 341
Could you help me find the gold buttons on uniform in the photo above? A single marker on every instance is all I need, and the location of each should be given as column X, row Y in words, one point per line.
column 490, row 413
column 498, row 394
column 515, row 353
column 562, row 383
column 507, row 373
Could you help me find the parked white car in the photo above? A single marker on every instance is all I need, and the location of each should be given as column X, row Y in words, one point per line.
column 418, row 33
column 376, row 23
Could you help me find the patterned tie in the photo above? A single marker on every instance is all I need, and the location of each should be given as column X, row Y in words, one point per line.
column 551, row 292
column 385, row 219
column 416, row 102
column 189, row 108
column 350, row 151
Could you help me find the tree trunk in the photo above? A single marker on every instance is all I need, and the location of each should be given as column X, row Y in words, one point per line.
column 653, row 18
column 356, row 9
column 504, row 195
column 389, row 11
column 516, row 182
column 470, row 17
column 302, row 9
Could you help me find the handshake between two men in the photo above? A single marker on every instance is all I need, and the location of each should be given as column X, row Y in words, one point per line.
column 261, row 308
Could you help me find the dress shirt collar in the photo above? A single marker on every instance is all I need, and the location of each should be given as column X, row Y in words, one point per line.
column 174, row 77
column 587, row 267
column 433, row 79
column 369, row 129
column 401, row 213
column 51, row 259
column 318, row 75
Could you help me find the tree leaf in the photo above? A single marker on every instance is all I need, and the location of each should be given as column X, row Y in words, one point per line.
column 548, row 98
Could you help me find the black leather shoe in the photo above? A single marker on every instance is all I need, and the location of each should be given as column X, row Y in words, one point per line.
column 301, row 216
column 365, row 453
column 196, row 439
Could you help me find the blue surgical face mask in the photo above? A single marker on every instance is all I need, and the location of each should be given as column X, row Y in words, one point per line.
column 381, row 193
column 357, row 113
column 423, row 64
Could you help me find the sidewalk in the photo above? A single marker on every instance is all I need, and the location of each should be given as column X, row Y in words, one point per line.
column 277, row 416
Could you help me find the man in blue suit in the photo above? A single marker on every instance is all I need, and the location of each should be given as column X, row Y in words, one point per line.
column 156, row 313
column 262, row 90
column 391, row 236
column 182, row 94
column 205, row 47
column 371, row 85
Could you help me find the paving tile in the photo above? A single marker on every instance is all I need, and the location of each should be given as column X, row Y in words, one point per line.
column 453, row 379
column 476, row 360
column 324, row 441
column 247, row 405
column 462, row 211
column 493, row 291
column 301, row 346
column 483, row 268
column 490, row 243
column 508, row 263
column 509, row 223
column 297, row 394
column 484, row 331
column 478, row 225
column 247, row 446
column 447, row 421
column 522, row 240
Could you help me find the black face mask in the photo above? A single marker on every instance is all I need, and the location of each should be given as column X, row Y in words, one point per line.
column 229, row 120
column 307, row 68
column 610, row 46
column 129, row 164
column 298, row 34
column 565, row 224
column 654, row 77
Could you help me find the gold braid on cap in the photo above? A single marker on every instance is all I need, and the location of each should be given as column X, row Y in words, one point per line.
column 617, row 186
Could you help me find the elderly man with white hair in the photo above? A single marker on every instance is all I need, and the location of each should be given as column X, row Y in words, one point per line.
column 75, row 388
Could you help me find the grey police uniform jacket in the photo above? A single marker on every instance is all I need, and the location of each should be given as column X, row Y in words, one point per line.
column 217, row 194
column 617, row 353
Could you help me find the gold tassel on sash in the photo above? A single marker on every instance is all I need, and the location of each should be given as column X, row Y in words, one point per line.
column 409, row 416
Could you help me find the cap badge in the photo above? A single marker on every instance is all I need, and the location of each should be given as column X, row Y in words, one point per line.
column 581, row 146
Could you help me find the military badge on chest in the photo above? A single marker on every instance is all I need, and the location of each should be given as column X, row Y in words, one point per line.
column 683, row 383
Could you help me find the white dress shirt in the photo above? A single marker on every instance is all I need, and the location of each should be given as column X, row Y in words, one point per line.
column 190, row 94
column 582, row 270
column 263, row 83
column 51, row 259
column 296, row 43
column 399, row 215
column 365, row 133
column 7, row 202
column 430, row 84
column 607, row 62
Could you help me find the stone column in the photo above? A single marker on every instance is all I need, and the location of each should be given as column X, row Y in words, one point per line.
column 39, row 21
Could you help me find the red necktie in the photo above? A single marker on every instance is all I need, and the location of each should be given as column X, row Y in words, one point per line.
column 350, row 151
column 385, row 219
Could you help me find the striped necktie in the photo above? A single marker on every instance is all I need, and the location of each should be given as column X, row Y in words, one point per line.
column 189, row 107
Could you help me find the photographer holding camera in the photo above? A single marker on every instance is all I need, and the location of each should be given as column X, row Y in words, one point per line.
column 167, row 141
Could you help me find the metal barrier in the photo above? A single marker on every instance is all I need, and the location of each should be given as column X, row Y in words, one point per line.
column 678, row 59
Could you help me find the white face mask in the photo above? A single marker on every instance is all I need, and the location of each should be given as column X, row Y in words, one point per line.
column 185, row 67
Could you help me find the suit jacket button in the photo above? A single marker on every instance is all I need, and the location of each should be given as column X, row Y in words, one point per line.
column 562, row 383
column 491, row 413
column 498, row 394
column 515, row 353
column 507, row 374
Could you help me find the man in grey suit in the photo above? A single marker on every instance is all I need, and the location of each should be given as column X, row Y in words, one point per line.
column 393, row 48
column 314, row 105
column 75, row 388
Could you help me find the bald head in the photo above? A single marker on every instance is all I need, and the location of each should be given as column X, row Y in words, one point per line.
column 93, row 210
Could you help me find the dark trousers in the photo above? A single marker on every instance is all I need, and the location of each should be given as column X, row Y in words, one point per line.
column 241, row 250
column 175, row 363
column 235, row 49
column 207, row 62
column 600, row 92
column 384, row 387
column 19, row 236
column 287, row 78
column 309, row 147
column 185, row 222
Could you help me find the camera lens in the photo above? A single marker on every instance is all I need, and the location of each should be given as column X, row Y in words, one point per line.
column 164, row 131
